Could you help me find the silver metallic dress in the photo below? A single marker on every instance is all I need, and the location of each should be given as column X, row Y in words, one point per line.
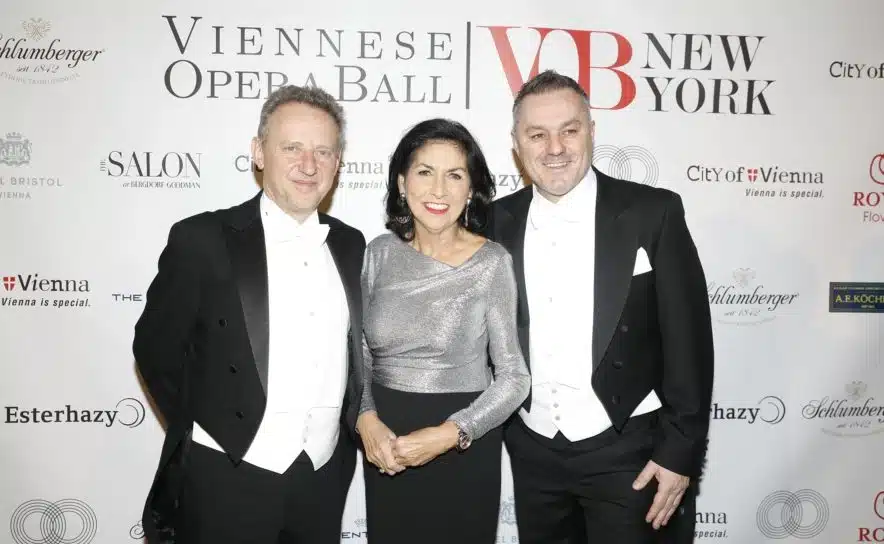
column 429, row 328
column 429, row 331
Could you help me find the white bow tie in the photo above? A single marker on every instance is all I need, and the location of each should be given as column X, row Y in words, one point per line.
column 313, row 234
column 547, row 214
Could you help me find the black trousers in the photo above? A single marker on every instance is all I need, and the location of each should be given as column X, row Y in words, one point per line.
column 454, row 498
column 581, row 492
column 246, row 504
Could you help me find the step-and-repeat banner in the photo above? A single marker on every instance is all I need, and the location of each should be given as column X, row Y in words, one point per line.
column 119, row 118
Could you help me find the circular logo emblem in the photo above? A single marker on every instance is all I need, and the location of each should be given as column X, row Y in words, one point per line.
column 803, row 514
column 775, row 409
column 67, row 521
column 134, row 412
column 876, row 169
column 631, row 163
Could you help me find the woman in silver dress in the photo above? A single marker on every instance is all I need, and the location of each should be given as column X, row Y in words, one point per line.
column 439, row 299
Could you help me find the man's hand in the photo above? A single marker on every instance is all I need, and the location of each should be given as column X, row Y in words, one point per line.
column 422, row 446
column 670, row 490
column 378, row 441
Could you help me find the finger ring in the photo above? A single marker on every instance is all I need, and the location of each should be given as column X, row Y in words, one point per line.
column 381, row 470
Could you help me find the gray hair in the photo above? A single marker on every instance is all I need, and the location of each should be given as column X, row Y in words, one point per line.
column 546, row 82
column 311, row 96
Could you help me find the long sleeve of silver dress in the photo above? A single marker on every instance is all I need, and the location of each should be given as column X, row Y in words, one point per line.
column 429, row 327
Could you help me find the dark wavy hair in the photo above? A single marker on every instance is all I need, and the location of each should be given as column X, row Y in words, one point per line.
column 399, row 217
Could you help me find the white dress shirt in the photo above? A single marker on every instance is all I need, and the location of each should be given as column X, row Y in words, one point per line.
column 307, row 368
column 559, row 279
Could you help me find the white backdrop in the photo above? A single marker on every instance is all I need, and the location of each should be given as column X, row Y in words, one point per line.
column 765, row 119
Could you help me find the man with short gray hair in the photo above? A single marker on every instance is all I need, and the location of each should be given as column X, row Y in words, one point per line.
column 250, row 345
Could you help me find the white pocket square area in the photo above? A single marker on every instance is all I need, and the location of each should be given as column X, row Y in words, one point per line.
column 642, row 263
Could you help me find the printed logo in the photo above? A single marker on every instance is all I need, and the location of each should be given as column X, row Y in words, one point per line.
column 30, row 291
column 68, row 521
column 770, row 409
column 710, row 525
column 853, row 414
column 243, row 163
column 136, row 532
column 633, row 163
column 856, row 297
column 16, row 152
column 363, row 175
column 873, row 534
column 803, row 514
column 652, row 71
column 29, row 58
column 744, row 301
column 345, row 62
column 152, row 170
column 770, row 182
column 849, row 70
column 870, row 201
column 876, row 169
column 128, row 412
column 127, row 297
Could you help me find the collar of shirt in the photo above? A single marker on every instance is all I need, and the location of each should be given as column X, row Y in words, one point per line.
column 279, row 227
column 575, row 207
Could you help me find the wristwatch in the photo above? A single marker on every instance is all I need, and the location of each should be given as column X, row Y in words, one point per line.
column 463, row 439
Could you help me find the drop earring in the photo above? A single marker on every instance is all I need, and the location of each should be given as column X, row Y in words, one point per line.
column 403, row 219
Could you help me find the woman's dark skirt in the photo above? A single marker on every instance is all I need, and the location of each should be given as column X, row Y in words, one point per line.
column 453, row 498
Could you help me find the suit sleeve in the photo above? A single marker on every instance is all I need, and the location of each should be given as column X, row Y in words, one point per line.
column 161, row 345
column 686, row 330
column 356, row 380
